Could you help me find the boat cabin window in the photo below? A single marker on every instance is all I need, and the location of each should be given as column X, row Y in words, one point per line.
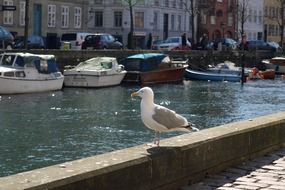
column 19, row 62
column 106, row 65
column 8, row 60
column 9, row 74
column 29, row 62
column 46, row 65
column 20, row 74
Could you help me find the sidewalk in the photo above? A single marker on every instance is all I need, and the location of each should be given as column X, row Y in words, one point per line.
column 267, row 172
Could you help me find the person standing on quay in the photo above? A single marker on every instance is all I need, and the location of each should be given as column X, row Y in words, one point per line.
column 149, row 41
column 184, row 41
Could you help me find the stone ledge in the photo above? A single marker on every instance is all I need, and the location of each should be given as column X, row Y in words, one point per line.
column 179, row 161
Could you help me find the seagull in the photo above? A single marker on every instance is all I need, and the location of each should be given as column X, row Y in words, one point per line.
column 159, row 118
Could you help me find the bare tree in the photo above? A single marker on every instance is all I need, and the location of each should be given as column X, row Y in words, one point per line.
column 192, row 9
column 130, row 4
column 26, row 24
column 278, row 18
column 242, row 11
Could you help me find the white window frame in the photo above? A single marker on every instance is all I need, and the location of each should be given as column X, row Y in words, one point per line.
column 179, row 22
column 172, row 21
column 77, row 17
column 51, row 18
column 22, row 13
column 155, row 20
column 118, row 19
column 8, row 16
column 139, row 19
column 64, row 16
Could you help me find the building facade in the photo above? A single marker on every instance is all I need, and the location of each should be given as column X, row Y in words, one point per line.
column 161, row 18
column 217, row 18
column 272, row 20
column 51, row 18
column 254, row 23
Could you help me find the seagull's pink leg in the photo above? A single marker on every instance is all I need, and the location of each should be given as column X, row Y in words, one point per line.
column 158, row 141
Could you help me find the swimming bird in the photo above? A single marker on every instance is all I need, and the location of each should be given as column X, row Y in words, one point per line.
column 159, row 118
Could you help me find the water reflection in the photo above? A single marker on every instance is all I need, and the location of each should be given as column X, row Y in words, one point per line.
column 47, row 128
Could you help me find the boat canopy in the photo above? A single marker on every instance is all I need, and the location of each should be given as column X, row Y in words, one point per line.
column 144, row 62
column 97, row 63
column 43, row 63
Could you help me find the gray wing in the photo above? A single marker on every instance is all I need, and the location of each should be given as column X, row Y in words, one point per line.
column 168, row 118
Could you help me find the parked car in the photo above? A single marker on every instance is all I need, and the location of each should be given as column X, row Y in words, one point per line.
column 6, row 39
column 226, row 44
column 156, row 43
column 101, row 41
column 33, row 42
column 173, row 43
column 258, row 45
column 275, row 45
column 73, row 40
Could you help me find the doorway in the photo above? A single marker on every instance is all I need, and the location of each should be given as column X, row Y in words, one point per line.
column 37, row 19
column 165, row 26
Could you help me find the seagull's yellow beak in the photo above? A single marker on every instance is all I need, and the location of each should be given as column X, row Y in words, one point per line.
column 134, row 94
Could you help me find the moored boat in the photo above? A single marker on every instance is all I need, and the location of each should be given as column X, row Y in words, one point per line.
column 211, row 76
column 276, row 63
column 29, row 73
column 95, row 72
column 152, row 68
column 255, row 74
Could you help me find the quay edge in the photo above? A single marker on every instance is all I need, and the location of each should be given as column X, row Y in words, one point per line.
column 180, row 161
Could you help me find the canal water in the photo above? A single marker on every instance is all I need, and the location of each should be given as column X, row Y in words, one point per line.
column 38, row 130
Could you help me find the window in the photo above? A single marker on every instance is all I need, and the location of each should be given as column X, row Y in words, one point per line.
column 156, row 3
column 276, row 30
column 22, row 13
column 260, row 17
column 118, row 2
column 139, row 19
column 155, row 20
column 8, row 15
column 51, row 16
column 99, row 19
column 98, row 2
column 64, row 16
column 190, row 23
column 249, row 15
column 230, row 19
column 180, row 4
column 179, row 19
column 174, row 4
column 204, row 18
column 118, row 18
column 77, row 17
column 212, row 19
column 166, row 3
column 219, row 13
column 172, row 22
column 255, row 16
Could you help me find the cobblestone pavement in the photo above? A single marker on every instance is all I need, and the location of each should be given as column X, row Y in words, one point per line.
column 267, row 172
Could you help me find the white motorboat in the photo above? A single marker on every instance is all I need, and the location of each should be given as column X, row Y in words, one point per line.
column 95, row 72
column 276, row 63
column 29, row 73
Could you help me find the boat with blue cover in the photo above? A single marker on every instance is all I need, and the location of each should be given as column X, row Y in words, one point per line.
column 211, row 76
column 29, row 73
column 152, row 68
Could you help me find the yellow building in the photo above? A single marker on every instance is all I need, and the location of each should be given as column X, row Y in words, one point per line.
column 272, row 20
